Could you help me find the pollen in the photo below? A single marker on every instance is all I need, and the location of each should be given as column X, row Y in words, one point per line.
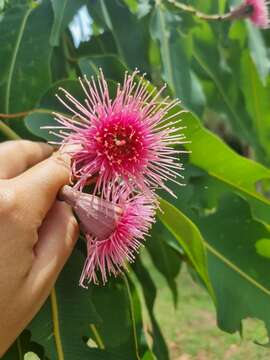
column 122, row 143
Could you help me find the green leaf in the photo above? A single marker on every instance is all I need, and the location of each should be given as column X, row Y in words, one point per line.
column 237, row 250
column 130, row 34
column 150, row 292
column 222, row 6
column 231, row 237
column 240, row 173
column 149, row 356
column 111, row 66
column 25, row 56
column 132, row 5
column 67, row 315
column 113, row 69
column 189, row 237
column 102, row 44
column 64, row 11
column 258, row 51
column 21, row 346
column 31, row 356
column 121, row 327
column 43, row 114
column 212, row 63
column 165, row 259
column 257, row 100
column 176, row 50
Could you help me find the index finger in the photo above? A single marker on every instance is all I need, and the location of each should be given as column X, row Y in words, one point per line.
column 18, row 155
column 37, row 188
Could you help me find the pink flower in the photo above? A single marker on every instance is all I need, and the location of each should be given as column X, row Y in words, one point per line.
column 258, row 12
column 255, row 10
column 129, row 139
column 128, row 219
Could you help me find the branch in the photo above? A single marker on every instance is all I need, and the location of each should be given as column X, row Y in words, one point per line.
column 24, row 113
column 8, row 132
column 13, row 116
column 240, row 12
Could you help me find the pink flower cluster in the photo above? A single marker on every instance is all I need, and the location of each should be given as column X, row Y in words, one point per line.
column 130, row 145
column 258, row 12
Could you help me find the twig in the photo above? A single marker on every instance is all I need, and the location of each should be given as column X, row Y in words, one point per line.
column 15, row 115
column 8, row 132
column 238, row 13
column 24, row 113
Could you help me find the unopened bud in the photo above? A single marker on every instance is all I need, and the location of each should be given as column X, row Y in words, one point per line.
column 97, row 217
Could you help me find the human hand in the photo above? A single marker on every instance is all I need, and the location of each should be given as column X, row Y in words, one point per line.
column 37, row 234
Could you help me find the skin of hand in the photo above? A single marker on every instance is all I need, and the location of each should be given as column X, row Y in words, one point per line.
column 37, row 233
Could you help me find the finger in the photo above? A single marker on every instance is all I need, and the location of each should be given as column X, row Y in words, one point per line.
column 18, row 155
column 37, row 187
column 57, row 238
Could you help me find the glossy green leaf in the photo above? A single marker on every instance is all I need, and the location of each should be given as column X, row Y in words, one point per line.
column 231, row 235
column 131, row 35
column 189, row 237
column 69, row 307
column 176, row 50
column 121, row 327
column 23, row 345
column 258, row 52
column 257, row 100
column 164, row 257
column 237, row 251
column 111, row 66
column 42, row 115
column 25, row 56
column 212, row 62
column 234, row 170
column 64, row 11
column 150, row 292
column 31, row 356
column 149, row 356
column 99, row 44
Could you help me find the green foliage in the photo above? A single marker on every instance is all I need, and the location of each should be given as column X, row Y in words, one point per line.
column 219, row 224
column 25, row 56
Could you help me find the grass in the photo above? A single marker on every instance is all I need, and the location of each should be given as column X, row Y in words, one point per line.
column 191, row 331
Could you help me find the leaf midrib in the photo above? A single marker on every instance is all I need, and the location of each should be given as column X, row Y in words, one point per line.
column 215, row 252
column 235, row 268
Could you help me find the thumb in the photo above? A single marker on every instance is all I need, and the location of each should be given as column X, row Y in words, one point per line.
column 57, row 237
column 37, row 187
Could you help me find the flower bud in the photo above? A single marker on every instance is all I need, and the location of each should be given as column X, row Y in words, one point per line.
column 97, row 217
